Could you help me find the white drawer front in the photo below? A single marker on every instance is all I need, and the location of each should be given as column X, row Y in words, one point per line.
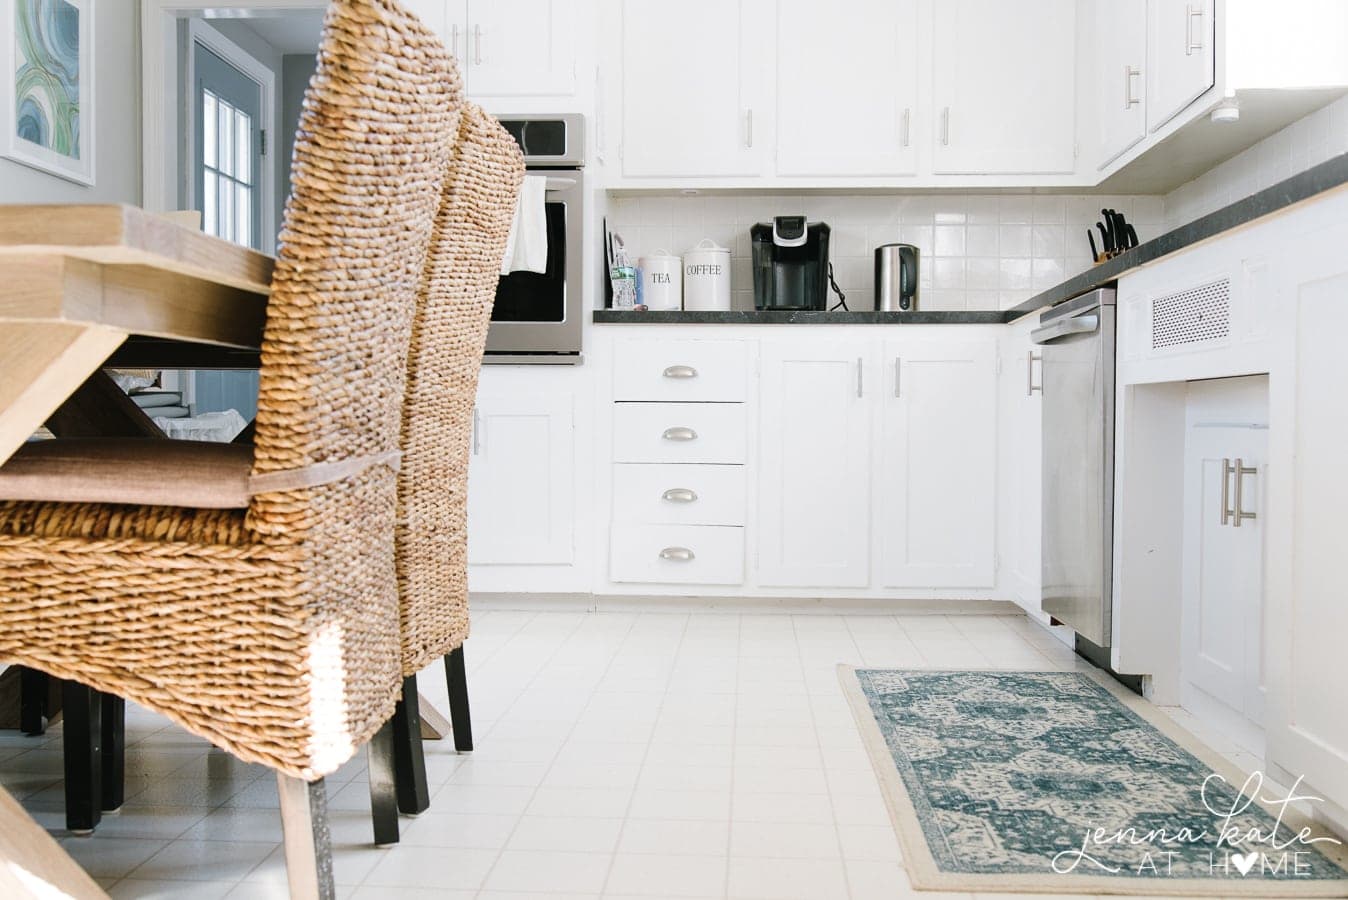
column 680, row 370
column 678, row 494
column 677, row 554
column 679, row 432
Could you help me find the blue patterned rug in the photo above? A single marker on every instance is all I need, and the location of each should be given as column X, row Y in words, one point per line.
column 1062, row 782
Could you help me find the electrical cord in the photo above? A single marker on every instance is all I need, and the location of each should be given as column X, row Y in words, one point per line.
column 842, row 298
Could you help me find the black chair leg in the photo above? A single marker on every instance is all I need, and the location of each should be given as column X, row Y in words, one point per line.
column 83, row 739
column 459, row 715
column 409, row 762
column 383, row 785
column 114, row 751
column 32, row 701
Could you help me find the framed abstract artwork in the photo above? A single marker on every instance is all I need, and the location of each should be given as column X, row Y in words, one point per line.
column 47, row 85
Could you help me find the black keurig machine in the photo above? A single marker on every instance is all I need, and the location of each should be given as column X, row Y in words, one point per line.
column 790, row 263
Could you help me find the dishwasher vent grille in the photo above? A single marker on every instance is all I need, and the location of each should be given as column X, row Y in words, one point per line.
column 1196, row 316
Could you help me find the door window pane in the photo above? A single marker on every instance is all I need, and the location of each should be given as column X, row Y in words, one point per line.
column 226, row 138
column 243, row 144
column 243, row 214
column 208, row 120
column 226, row 208
column 209, row 194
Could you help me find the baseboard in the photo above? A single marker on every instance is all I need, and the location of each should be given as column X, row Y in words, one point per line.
column 731, row 605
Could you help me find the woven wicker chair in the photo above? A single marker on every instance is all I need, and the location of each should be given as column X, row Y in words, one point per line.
column 448, row 339
column 272, row 630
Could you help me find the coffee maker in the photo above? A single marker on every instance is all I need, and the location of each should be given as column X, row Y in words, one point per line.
column 790, row 264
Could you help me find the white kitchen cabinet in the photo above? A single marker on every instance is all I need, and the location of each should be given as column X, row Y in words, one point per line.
column 507, row 48
column 693, row 102
column 1181, row 63
column 1020, row 473
column 936, row 484
column 1119, row 66
column 847, row 93
column 816, row 399
column 1004, row 87
column 520, row 497
column 1307, row 528
column 1225, row 466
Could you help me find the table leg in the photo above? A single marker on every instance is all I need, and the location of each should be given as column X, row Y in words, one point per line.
column 308, row 841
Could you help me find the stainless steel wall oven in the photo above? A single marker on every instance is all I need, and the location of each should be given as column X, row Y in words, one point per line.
column 537, row 317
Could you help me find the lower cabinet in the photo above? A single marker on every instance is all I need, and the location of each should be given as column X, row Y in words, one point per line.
column 520, row 496
column 936, row 474
column 815, row 406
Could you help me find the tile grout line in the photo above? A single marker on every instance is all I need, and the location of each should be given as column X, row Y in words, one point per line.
column 734, row 755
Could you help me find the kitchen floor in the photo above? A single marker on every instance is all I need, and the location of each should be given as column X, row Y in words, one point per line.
column 619, row 755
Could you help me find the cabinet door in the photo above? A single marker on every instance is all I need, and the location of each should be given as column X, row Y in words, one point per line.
column 1004, row 86
column 1119, row 40
column 520, row 508
column 846, row 88
column 814, row 463
column 514, row 48
column 691, row 76
column 1180, row 58
column 937, row 482
column 1223, row 565
column 438, row 16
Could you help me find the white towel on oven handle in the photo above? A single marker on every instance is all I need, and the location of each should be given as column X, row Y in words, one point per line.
column 527, row 245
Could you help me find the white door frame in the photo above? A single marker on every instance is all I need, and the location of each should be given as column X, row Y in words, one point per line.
column 159, row 130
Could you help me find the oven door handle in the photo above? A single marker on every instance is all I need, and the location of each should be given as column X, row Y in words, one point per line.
column 555, row 183
column 1065, row 326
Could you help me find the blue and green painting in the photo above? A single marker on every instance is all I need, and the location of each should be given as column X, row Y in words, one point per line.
column 47, row 75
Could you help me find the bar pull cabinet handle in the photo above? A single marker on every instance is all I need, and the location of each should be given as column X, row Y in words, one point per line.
column 679, row 495
column 679, row 433
column 1030, row 387
column 680, row 372
column 748, row 128
column 477, row 432
column 898, row 373
column 1191, row 43
column 477, row 45
column 945, row 126
column 677, row 554
column 860, row 386
column 907, row 124
column 1238, row 514
column 1226, row 491
column 1129, row 73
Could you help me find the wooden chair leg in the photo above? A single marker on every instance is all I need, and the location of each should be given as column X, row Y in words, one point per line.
column 32, row 701
column 114, row 751
column 457, row 677
column 383, row 786
column 83, row 740
column 409, row 761
column 308, row 842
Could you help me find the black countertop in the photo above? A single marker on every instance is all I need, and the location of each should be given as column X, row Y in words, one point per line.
column 1303, row 186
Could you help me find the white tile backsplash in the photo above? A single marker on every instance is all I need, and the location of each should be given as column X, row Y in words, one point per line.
column 1307, row 142
column 979, row 251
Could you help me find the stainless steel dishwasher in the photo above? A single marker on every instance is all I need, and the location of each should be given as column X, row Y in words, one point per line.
column 1077, row 338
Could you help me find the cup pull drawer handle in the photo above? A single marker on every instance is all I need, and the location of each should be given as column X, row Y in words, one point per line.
column 680, row 372
column 680, row 433
column 679, row 495
column 677, row 554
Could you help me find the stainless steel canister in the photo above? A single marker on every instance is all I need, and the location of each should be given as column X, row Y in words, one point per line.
column 896, row 277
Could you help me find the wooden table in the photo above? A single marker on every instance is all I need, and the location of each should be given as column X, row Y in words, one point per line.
column 77, row 281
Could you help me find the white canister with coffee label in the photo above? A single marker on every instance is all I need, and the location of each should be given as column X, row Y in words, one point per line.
column 660, row 278
column 706, row 277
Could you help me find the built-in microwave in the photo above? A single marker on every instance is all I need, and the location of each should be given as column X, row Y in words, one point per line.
column 537, row 317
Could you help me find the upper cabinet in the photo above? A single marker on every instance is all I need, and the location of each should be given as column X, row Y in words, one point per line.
column 1119, row 69
column 847, row 96
column 692, row 97
column 1004, row 87
column 507, row 48
column 1182, row 64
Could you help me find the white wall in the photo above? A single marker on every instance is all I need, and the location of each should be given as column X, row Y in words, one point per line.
column 1307, row 142
column 116, row 120
column 979, row 251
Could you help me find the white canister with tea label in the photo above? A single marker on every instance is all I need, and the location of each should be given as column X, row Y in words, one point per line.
column 660, row 279
column 706, row 277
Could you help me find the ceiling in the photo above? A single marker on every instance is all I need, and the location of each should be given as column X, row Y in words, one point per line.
column 289, row 31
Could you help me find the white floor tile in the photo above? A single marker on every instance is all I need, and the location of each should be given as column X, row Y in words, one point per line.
column 566, row 835
column 146, row 889
column 449, row 868
column 188, row 860
column 569, row 803
column 667, row 876
column 784, row 839
column 674, row 837
column 787, row 879
column 109, row 857
column 541, row 872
